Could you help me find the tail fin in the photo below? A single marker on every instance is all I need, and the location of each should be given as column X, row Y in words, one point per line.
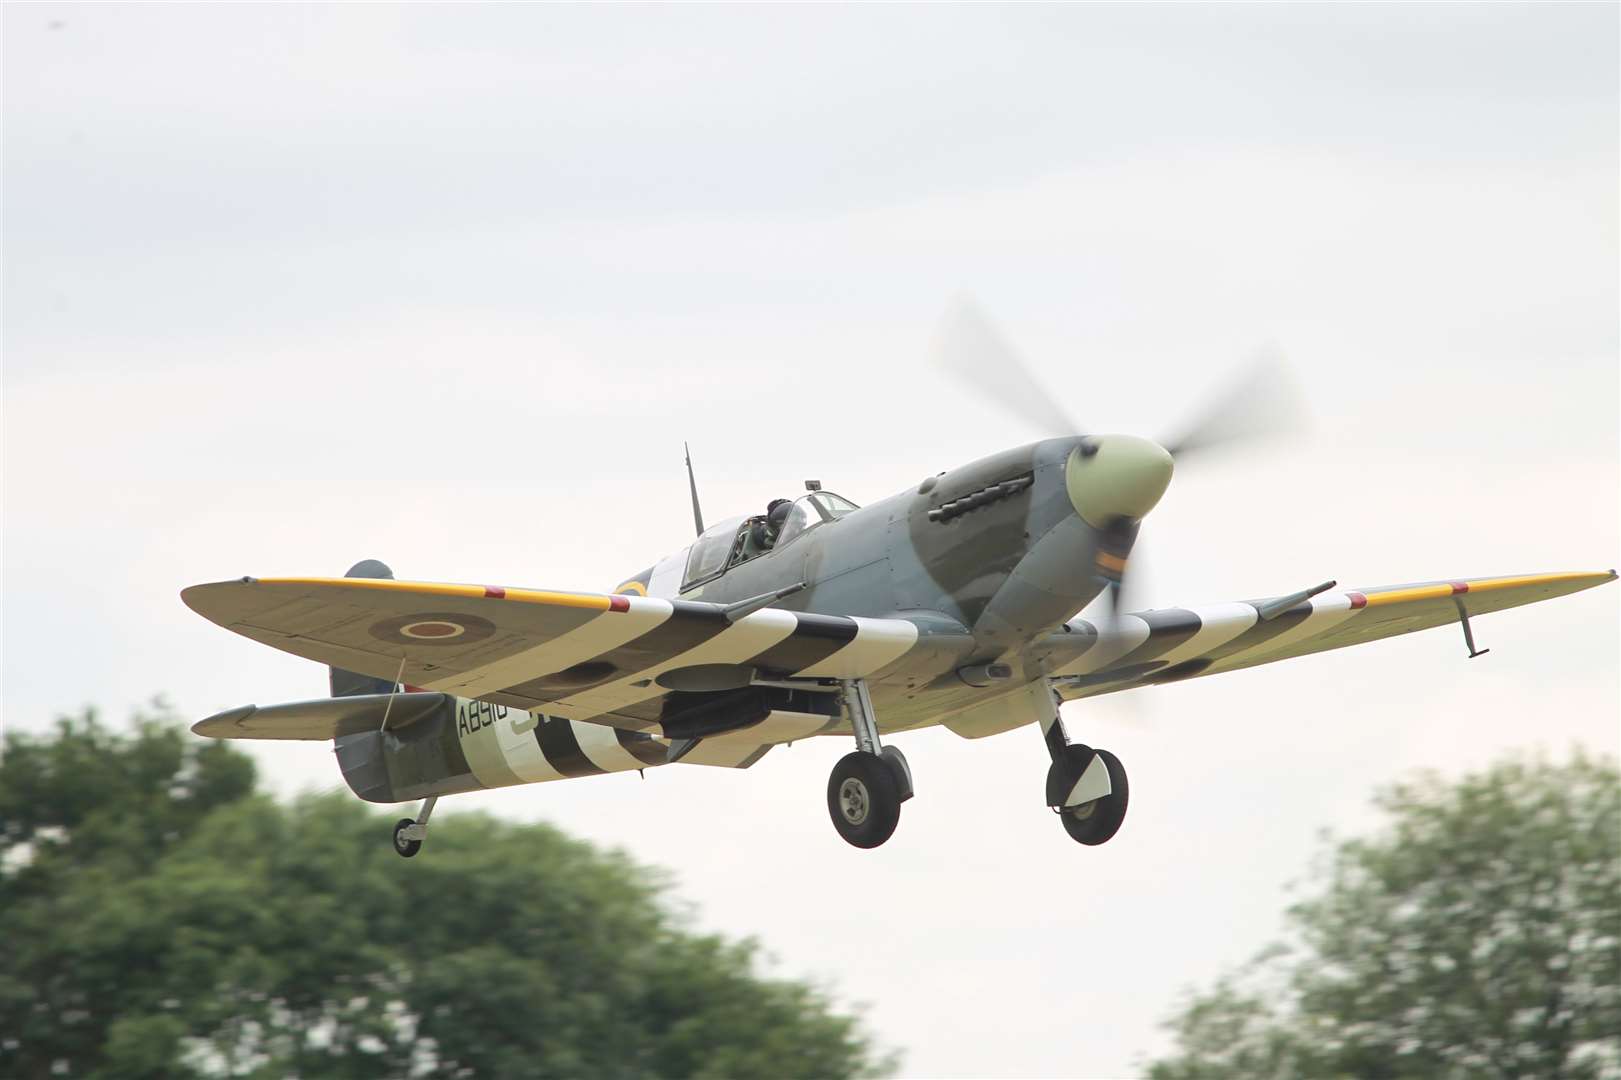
column 347, row 683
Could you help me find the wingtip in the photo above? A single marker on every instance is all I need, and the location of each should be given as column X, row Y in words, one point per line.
column 190, row 594
column 1579, row 580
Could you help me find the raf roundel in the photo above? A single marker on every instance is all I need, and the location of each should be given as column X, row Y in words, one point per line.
column 433, row 628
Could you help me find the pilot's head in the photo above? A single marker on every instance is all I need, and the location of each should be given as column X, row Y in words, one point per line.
column 776, row 513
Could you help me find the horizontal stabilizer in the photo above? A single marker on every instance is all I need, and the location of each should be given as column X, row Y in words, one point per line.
column 323, row 719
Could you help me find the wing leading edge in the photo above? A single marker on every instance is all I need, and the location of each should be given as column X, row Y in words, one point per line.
column 1147, row 648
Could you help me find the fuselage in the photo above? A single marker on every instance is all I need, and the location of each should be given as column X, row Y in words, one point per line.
column 988, row 559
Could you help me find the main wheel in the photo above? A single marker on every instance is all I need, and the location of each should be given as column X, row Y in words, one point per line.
column 1097, row 821
column 402, row 846
column 863, row 799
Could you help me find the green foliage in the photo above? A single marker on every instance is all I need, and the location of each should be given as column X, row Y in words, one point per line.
column 1479, row 935
column 163, row 919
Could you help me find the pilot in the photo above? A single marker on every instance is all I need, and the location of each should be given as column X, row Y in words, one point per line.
column 763, row 533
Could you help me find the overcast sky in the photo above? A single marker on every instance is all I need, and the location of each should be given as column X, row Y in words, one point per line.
column 287, row 287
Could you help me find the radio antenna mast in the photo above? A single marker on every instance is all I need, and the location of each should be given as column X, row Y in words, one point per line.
column 692, row 482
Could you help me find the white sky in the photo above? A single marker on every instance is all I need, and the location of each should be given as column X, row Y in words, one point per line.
column 287, row 287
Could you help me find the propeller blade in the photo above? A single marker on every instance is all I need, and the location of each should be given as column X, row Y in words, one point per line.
column 1115, row 543
column 971, row 347
column 1262, row 402
column 1131, row 706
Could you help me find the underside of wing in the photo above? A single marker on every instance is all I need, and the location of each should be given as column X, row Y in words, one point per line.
column 633, row 662
column 1152, row 647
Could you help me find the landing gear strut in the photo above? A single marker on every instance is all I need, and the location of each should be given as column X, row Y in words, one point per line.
column 409, row 834
column 1086, row 788
column 865, row 792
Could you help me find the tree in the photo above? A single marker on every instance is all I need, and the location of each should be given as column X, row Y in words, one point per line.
column 163, row 918
column 1478, row 936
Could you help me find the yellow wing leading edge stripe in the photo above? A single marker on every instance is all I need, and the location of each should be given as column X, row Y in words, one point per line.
column 1397, row 594
column 589, row 601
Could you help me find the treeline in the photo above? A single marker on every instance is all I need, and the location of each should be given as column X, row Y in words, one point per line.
column 1477, row 935
column 164, row 917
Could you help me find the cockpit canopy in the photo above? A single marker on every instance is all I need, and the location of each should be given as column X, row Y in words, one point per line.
column 812, row 510
column 737, row 540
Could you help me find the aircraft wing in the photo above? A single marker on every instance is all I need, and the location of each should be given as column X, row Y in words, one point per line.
column 615, row 660
column 1146, row 648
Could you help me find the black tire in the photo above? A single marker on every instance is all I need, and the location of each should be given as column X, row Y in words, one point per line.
column 403, row 847
column 1096, row 822
column 901, row 768
column 863, row 799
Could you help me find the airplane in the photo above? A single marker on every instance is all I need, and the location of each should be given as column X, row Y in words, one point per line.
column 954, row 602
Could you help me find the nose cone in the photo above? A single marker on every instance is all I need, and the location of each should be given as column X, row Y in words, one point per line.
column 1124, row 476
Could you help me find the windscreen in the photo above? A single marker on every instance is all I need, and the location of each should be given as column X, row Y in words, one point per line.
column 833, row 506
column 812, row 510
column 800, row 518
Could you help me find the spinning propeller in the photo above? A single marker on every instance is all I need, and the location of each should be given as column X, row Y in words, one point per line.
column 1259, row 403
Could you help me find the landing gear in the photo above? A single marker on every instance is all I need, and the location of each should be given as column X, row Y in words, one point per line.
column 863, row 799
column 865, row 792
column 409, row 834
column 1086, row 788
column 1095, row 820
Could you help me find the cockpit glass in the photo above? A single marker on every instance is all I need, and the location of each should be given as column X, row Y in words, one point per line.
column 709, row 553
column 800, row 518
column 833, row 506
column 812, row 510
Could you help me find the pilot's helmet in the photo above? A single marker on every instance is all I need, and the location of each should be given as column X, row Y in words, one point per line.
column 776, row 512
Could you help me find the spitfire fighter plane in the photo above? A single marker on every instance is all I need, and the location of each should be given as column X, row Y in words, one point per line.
column 953, row 602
